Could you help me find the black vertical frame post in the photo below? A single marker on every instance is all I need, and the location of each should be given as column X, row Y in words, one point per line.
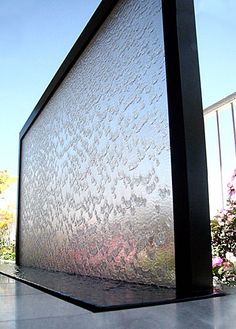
column 188, row 155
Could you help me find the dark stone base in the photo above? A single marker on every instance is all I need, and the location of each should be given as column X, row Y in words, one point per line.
column 97, row 295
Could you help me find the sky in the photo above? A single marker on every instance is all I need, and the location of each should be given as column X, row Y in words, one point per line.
column 216, row 26
column 36, row 36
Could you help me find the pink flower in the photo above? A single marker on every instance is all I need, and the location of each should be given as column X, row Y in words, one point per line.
column 230, row 218
column 226, row 265
column 232, row 186
column 234, row 175
column 231, row 190
column 216, row 261
column 222, row 213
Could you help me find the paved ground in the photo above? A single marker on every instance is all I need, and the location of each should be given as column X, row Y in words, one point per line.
column 23, row 307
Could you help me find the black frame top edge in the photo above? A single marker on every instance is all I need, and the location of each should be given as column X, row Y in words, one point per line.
column 97, row 19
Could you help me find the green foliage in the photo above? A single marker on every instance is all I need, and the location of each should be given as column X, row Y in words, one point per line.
column 5, row 180
column 158, row 261
column 223, row 230
column 6, row 220
column 7, row 253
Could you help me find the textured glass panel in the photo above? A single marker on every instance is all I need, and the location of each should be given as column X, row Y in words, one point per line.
column 96, row 194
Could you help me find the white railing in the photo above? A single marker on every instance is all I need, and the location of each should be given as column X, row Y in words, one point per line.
column 220, row 135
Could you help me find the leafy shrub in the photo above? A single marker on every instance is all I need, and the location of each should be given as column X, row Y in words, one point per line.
column 223, row 228
column 7, row 254
column 7, row 218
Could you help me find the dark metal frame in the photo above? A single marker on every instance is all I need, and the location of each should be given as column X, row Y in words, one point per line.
column 189, row 172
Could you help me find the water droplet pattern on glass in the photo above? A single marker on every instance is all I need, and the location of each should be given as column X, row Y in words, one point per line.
column 96, row 195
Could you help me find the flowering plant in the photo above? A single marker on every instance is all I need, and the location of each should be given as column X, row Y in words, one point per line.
column 223, row 229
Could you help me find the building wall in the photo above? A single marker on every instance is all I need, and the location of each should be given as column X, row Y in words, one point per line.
column 96, row 196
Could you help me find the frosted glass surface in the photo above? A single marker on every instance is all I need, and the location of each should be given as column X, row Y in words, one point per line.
column 96, row 194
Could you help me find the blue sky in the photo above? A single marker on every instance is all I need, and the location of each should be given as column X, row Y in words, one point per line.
column 35, row 37
column 216, row 26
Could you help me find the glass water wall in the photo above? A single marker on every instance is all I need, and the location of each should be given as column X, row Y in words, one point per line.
column 96, row 196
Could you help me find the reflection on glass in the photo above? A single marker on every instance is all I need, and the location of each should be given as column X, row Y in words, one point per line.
column 96, row 195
